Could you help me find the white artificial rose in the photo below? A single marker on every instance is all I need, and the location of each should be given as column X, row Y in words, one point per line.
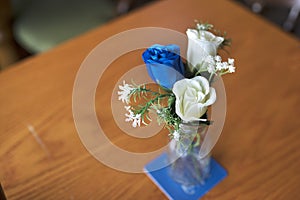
column 193, row 96
column 200, row 45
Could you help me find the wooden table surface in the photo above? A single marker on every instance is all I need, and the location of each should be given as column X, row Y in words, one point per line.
column 259, row 145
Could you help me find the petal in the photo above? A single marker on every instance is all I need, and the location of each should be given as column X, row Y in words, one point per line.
column 211, row 98
column 192, row 110
column 203, row 83
column 178, row 107
column 202, row 110
column 173, row 48
column 198, row 50
column 163, row 74
column 192, row 33
column 208, row 36
column 179, row 88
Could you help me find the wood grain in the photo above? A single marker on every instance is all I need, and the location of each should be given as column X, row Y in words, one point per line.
column 259, row 145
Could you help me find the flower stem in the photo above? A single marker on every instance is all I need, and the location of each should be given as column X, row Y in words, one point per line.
column 210, row 78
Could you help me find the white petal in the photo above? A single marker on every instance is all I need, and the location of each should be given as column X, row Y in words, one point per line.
column 212, row 97
column 179, row 87
column 203, row 83
column 192, row 33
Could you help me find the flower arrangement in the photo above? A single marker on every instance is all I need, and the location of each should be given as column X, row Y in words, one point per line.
column 185, row 92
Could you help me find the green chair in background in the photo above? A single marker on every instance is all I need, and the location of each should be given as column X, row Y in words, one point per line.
column 40, row 25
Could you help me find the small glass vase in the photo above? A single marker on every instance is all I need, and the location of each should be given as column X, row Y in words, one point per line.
column 187, row 168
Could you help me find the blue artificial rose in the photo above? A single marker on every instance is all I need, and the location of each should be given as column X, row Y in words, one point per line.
column 164, row 64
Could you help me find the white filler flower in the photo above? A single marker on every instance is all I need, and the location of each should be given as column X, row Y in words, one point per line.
column 124, row 93
column 131, row 117
column 193, row 96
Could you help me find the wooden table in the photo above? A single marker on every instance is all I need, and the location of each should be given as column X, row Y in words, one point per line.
column 259, row 145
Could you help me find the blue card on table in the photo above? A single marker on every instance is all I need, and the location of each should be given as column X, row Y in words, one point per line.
column 172, row 189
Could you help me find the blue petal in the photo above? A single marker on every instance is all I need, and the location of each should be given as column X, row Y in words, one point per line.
column 164, row 64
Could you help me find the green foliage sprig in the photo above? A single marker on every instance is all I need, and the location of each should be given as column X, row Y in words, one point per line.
column 153, row 101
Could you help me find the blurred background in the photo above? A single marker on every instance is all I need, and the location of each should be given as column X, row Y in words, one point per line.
column 29, row 27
